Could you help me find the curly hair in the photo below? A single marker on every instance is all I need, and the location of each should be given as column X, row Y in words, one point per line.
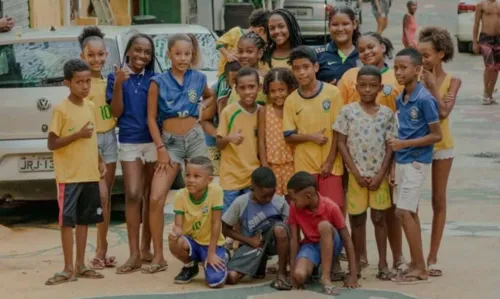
column 441, row 40
column 280, row 74
column 254, row 38
column 343, row 9
column 90, row 33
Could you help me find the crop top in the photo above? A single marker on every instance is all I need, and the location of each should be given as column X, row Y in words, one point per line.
column 175, row 100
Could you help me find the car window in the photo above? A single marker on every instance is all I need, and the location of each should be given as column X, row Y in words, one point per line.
column 40, row 64
column 206, row 41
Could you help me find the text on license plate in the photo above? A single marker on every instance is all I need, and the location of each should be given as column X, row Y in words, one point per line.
column 301, row 13
column 35, row 163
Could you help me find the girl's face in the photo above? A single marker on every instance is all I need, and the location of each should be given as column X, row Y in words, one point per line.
column 278, row 91
column 430, row 56
column 95, row 55
column 371, row 51
column 278, row 30
column 248, row 53
column 140, row 54
column 342, row 28
column 181, row 55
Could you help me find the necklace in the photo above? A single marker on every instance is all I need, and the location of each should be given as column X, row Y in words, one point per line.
column 136, row 88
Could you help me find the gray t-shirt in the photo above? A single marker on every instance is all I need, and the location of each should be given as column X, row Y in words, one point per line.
column 253, row 216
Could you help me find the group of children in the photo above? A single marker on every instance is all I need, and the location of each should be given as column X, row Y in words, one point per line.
column 285, row 140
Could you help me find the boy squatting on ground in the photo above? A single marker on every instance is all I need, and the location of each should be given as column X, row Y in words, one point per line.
column 261, row 216
column 418, row 131
column 196, row 236
column 321, row 221
column 78, row 169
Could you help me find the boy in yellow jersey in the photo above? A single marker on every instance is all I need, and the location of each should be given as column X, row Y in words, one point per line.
column 78, row 169
column 197, row 233
column 228, row 42
column 237, row 138
column 309, row 114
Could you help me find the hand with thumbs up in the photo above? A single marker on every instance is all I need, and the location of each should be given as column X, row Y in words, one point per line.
column 121, row 74
column 86, row 131
column 319, row 138
column 236, row 138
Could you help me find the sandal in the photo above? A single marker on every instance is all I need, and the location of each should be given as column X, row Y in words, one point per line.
column 97, row 264
column 154, row 268
column 110, row 262
column 385, row 274
column 84, row 272
column 128, row 268
column 435, row 271
column 281, row 285
column 410, row 279
column 60, row 277
column 331, row 290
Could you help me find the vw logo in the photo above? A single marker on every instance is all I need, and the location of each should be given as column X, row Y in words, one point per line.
column 43, row 104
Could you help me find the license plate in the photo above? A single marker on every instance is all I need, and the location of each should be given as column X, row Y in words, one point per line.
column 35, row 163
column 301, row 13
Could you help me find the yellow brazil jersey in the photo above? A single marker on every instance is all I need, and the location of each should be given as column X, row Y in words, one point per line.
column 197, row 220
column 261, row 97
column 104, row 120
column 276, row 62
column 386, row 97
column 229, row 41
column 447, row 141
column 309, row 116
column 78, row 161
column 238, row 161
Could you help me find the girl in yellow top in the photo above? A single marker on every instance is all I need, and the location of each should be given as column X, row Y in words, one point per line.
column 95, row 54
column 436, row 46
column 283, row 35
column 274, row 152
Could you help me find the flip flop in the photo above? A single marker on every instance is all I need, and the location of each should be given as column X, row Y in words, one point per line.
column 60, row 277
column 410, row 279
column 154, row 268
column 435, row 270
column 331, row 290
column 127, row 268
column 97, row 264
column 110, row 262
column 84, row 272
column 281, row 285
column 338, row 276
column 385, row 274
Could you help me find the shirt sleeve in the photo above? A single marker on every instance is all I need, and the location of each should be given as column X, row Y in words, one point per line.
column 223, row 123
column 344, row 86
column 341, row 124
column 229, row 38
column 232, row 215
column 109, row 87
column 289, row 124
column 337, row 104
column 285, row 209
column 292, row 219
column 430, row 111
column 179, row 208
column 336, row 217
column 391, row 130
column 57, row 122
column 218, row 201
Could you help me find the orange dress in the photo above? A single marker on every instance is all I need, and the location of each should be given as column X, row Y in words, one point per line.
column 279, row 153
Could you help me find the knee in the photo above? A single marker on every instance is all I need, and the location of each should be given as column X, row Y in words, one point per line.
column 299, row 275
column 439, row 203
column 156, row 200
column 133, row 196
column 232, row 277
column 378, row 218
column 325, row 228
column 280, row 233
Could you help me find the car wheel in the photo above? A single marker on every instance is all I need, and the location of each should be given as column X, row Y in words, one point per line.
column 464, row 47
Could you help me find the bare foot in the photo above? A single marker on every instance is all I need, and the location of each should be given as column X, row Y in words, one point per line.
column 146, row 256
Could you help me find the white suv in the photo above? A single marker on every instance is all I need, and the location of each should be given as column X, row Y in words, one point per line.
column 31, row 84
column 466, row 11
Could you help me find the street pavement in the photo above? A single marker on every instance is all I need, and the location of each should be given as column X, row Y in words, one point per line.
column 31, row 252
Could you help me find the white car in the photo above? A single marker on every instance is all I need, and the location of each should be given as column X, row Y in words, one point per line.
column 466, row 11
column 31, row 84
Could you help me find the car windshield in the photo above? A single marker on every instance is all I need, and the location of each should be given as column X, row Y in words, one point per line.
column 40, row 64
column 207, row 44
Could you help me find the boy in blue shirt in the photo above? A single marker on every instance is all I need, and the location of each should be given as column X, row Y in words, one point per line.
column 418, row 130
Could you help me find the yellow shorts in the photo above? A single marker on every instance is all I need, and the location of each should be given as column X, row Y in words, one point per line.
column 359, row 198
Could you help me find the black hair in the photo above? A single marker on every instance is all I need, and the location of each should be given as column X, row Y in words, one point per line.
column 204, row 162
column 302, row 180
column 247, row 71
column 441, row 39
column 280, row 74
column 258, row 18
column 410, row 3
column 151, row 65
column 370, row 70
column 90, row 33
column 342, row 9
column 264, row 177
column 232, row 67
column 389, row 48
column 254, row 38
column 295, row 35
column 416, row 58
column 73, row 66
column 303, row 52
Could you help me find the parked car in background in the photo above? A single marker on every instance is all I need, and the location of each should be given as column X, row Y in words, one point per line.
column 31, row 84
column 466, row 11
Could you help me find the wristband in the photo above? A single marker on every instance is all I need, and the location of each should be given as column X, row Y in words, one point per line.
column 159, row 147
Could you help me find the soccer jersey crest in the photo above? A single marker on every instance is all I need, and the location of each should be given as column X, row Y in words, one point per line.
column 326, row 105
column 387, row 90
column 414, row 113
column 192, row 96
column 204, row 210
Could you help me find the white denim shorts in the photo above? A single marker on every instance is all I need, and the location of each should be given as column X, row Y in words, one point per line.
column 129, row 152
column 444, row 154
column 409, row 180
column 108, row 146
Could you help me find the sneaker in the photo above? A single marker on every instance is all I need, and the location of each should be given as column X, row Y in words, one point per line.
column 487, row 101
column 187, row 273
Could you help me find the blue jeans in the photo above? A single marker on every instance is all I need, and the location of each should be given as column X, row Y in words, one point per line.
column 312, row 251
column 231, row 195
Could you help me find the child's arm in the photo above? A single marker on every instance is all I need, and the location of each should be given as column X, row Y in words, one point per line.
column 347, row 158
column 352, row 279
column 55, row 142
column 176, row 228
column 229, row 232
column 447, row 102
column 327, row 166
column 433, row 137
column 222, row 142
column 120, row 76
column 475, row 31
column 451, row 97
column 228, row 39
column 208, row 111
column 212, row 258
column 384, row 169
column 261, row 135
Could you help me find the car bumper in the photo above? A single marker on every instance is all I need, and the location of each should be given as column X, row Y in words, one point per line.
column 465, row 25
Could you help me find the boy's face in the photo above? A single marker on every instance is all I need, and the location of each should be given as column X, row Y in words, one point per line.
column 197, row 178
column 368, row 88
column 406, row 71
column 247, row 88
column 263, row 195
column 301, row 199
column 304, row 71
column 412, row 8
column 261, row 31
column 79, row 85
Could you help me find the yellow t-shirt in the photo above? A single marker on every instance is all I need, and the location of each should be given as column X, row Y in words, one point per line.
column 229, row 41
column 103, row 117
column 276, row 62
column 311, row 115
column 78, row 161
column 234, row 97
column 386, row 97
column 447, row 140
column 198, row 215
column 238, row 161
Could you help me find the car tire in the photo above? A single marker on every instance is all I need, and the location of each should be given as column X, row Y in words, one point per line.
column 464, row 47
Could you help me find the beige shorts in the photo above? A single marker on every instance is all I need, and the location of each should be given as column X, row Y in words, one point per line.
column 443, row 154
column 129, row 152
column 409, row 180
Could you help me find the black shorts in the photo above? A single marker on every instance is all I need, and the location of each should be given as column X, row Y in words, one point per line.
column 490, row 49
column 79, row 204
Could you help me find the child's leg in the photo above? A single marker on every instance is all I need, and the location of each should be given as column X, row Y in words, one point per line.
column 379, row 222
column 146, row 255
column 410, row 222
column 326, row 233
column 179, row 248
column 102, row 229
column 67, row 246
column 302, row 271
column 395, row 235
column 283, row 248
column 358, row 238
column 81, row 244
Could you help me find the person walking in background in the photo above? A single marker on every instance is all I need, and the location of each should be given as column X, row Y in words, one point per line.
column 380, row 9
column 410, row 25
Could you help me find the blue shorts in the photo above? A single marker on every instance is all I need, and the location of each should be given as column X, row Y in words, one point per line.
column 312, row 251
column 230, row 196
column 199, row 253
